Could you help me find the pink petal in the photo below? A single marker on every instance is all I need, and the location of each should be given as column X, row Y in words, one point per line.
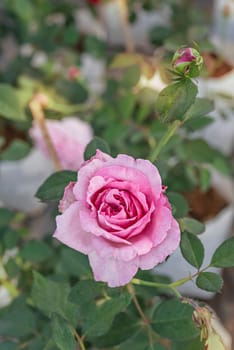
column 90, row 224
column 115, row 272
column 68, row 197
column 130, row 176
column 107, row 249
column 146, row 167
column 162, row 251
column 70, row 232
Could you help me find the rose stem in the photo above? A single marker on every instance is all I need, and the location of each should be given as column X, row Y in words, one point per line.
column 139, row 282
column 141, row 313
column 138, row 307
column 80, row 341
column 129, row 44
column 36, row 106
column 164, row 140
column 171, row 286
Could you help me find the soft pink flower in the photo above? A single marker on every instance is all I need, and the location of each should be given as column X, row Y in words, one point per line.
column 69, row 137
column 117, row 214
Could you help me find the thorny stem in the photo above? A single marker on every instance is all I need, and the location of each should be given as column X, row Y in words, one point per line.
column 79, row 340
column 36, row 107
column 129, row 44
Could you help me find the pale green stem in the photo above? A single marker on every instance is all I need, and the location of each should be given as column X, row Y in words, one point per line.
column 80, row 340
column 139, row 282
column 170, row 286
column 164, row 140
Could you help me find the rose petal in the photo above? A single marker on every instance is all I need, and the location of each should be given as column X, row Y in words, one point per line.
column 70, row 232
column 162, row 251
column 115, row 272
column 68, row 197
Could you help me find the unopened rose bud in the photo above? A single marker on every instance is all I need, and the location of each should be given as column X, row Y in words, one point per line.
column 188, row 62
column 73, row 73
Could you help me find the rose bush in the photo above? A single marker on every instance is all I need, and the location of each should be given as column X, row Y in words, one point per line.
column 118, row 214
column 69, row 136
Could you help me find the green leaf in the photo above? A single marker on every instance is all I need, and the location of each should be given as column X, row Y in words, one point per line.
column 192, row 249
column 156, row 347
column 10, row 238
column 199, row 151
column 6, row 216
column 222, row 164
column 73, row 263
column 200, row 108
column 2, row 141
column 169, row 133
column 17, row 150
column 209, row 281
column 62, row 333
column 173, row 319
column 70, row 35
column 174, row 101
column 194, row 344
column 10, row 107
column 36, row 344
column 179, row 204
column 73, row 91
column 224, row 254
column 122, row 329
column 198, row 123
column 205, row 179
column 138, row 341
column 84, row 294
column 101, row 319
column 53, row 187
column 8, row 346
column 52, row 297
column 158, row 34
column 126, row 105
column 131, row 76
column 12, row 268
column 192, row 225
column 17, row 320
column 96, row 143
column 98, row 316
column 95, row 46
column 35, row 251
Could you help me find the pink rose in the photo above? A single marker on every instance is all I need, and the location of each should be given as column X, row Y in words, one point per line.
column 117, row 214
column 69, row 136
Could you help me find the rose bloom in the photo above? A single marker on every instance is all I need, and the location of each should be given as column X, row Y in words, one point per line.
column 69, row 137
column 118, row 214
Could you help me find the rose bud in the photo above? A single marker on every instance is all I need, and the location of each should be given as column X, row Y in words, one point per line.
column 188, row 62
